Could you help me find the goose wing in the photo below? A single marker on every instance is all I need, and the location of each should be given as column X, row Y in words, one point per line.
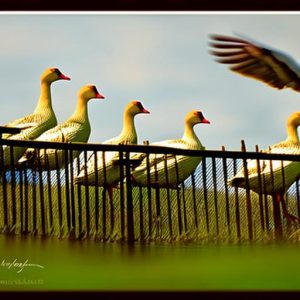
column 250, row 59
column 65, row 133
column 265, row 166
column 158, row 158
column 22, row 123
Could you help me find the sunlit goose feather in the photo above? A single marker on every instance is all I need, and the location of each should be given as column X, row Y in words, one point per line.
column 42, row 119
column 289, row 170
column 128, row 135
column 171, row 170
column 251, row 59
column 75, row 129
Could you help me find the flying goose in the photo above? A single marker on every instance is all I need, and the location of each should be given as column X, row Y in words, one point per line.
column 168, row 171
column 251, row 59
column 284, row 173
column 76, row 129
column 42, row 119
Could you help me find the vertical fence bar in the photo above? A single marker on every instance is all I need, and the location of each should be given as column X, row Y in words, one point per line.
column 96, row 192
column 59, row 196
column 168, row 198
column 204, row 183
column 41, row 192
column 34, row 200
column 122, row 200
column 104, row 192
column 194, row 201
column 237, row 205
column 178, row 197
column 26, row 203
column 260, row 187
column 276, row 207
column 141, row 214
column 248, row 198
column 149, row 192
column 4, row 191
column 79, row 202
column 72, row 195
column 129, row 200
column 298, row 198
column 157, row 202
column 184, row 209
column 49, row 189
column 21, row 210
column 13, row 189
column 215, row 193
column 225, row 172
column 87, row 195
column 67, row 189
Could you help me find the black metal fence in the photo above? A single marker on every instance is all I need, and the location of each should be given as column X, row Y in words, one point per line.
column 48, row 202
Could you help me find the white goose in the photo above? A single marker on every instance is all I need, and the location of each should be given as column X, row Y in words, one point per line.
column 160, row 163
column 128, row 135
column 42, row 119
column 284, row 173
column 76, row 129
column 251, row 59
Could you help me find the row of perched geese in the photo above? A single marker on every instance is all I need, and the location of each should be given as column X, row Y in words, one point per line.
column 245, row 57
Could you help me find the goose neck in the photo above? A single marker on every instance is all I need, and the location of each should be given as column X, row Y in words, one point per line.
column 292, row 133
column 128, row 125
column 189, row 132
column 45, row 101
column 81, row 112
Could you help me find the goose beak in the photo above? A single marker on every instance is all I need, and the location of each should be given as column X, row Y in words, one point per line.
column 99, row 96
column 64, row 77
column 145, row 111
column 205, row 121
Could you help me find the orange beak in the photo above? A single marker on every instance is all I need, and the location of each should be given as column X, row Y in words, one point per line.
column 64, row 77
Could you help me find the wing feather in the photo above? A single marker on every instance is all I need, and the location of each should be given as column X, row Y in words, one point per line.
column 258, row 62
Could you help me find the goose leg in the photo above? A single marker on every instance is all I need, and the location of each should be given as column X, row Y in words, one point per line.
column 289, row 218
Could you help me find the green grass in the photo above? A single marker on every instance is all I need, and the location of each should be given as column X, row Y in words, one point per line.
column 87, row 265
column 220, row 228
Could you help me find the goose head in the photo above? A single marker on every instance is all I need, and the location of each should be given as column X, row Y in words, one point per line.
column 53, row 74
column 294, row 119
column 88, row 92
column 135, row 107
column 195, row 117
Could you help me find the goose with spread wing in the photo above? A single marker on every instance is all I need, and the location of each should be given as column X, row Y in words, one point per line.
column 274, row 177
column 262, row 63
column 76, row 129
column 168, row 171
column 42, row 119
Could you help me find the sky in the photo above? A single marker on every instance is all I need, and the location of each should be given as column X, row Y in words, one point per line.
column 161, row 60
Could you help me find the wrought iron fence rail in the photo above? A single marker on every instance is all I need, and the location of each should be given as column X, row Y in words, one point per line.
column 150, row 149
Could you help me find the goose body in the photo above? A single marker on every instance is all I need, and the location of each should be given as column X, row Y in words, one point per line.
column 75, row 129
column 256, row 61
column 284, row 173
column 42, row 119
column 89, row 174
column 168, row 171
